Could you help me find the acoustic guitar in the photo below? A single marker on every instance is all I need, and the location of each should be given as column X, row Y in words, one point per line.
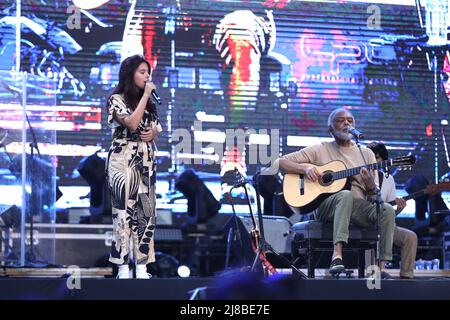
column 307, row 195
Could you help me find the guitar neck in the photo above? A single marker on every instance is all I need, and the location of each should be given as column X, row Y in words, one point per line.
column 411, row 196
column 354, row 171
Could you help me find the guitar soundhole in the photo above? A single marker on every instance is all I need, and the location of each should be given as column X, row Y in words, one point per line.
column 327, row 179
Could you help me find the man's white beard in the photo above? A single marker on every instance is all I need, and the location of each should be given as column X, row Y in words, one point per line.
column 345, row 136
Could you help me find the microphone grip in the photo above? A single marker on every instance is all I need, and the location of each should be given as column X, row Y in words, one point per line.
column 156, row 96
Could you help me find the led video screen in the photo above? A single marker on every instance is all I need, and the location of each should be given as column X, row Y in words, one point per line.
column 274, row 69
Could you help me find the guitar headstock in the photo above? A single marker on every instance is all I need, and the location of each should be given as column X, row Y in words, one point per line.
column 436, row 188
column 403, row 162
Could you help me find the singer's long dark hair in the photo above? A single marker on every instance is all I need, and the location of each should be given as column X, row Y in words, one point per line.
column 127, row 86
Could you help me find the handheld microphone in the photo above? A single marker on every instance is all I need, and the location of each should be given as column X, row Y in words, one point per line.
column 156, row 97
column 356, row 133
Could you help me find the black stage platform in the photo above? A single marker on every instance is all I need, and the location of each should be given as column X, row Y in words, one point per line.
column 284, row 288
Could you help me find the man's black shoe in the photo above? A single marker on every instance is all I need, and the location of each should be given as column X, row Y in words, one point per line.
column 336, row 266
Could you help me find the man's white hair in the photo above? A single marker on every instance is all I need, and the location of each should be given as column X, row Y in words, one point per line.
column 335, row 112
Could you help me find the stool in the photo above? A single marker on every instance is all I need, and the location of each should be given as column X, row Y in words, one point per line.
column 309, row 237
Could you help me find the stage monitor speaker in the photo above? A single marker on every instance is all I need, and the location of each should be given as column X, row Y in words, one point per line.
column 241, row 245
column 276, row 230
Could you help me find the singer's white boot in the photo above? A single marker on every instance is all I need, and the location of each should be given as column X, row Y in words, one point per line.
column 124, row 272
column 141, row 272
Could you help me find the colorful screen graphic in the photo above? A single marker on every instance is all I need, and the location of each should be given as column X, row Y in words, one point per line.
column 249, row 65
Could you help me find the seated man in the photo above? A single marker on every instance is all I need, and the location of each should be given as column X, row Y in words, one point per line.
column 352, row 204
column 403, row 238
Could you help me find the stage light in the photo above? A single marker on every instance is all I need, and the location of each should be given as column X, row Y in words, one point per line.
column 165, row 266
column 39, row 173
column 201, row 202
column 92, row 169
column 271, row 189
column 10, row 216
column 184, row 271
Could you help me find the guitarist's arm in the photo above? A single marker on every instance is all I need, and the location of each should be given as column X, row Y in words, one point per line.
column 289, row 166
column 389, row 189
column 401, row 204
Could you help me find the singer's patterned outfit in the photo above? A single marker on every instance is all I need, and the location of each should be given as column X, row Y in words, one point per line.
column 131, row 173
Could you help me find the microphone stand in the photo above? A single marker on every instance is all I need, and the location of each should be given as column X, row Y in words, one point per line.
column 264, row 246
column 30, row 256
column 238, row 231
column 379, row 204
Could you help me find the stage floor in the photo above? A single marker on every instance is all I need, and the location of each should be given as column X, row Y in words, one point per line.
column 238, row 286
